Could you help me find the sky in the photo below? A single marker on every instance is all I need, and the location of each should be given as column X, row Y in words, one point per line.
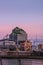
column 26, row 14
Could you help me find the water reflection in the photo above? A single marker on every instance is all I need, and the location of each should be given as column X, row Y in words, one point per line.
column 10, row 62
column 23, row 62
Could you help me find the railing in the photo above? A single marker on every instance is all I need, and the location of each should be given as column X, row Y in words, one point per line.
column 14, row 53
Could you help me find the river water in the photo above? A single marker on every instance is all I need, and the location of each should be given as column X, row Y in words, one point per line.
column 21, row 62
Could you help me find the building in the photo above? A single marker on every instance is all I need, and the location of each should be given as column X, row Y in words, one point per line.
column 40, row 47
column 35, row 48
column 6, row 44
column 26, row 46
column 17, row 41
column 18, row 35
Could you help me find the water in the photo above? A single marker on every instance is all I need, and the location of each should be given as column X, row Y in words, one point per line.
column 23, row 62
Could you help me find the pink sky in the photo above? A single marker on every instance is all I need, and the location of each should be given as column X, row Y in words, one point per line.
column 31, row 29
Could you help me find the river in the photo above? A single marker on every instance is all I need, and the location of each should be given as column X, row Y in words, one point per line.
column 21, row 62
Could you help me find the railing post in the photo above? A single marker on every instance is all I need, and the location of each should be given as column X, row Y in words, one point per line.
column 1, row 61
column 19, row 60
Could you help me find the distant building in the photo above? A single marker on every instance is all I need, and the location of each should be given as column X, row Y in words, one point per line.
column 26, row 46
column 6, row 44
column 35, row 48
column 40, row 47
column 18, row 35
column 17, row 41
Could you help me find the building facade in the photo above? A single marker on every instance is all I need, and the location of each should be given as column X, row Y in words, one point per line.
column 40, row 47
column 18, row 35
column 26, row 46
column 6, row 44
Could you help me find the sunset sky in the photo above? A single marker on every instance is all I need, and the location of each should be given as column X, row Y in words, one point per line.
column 26, row 14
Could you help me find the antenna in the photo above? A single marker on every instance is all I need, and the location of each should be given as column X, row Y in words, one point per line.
column 36, row 37
column 35, row 41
